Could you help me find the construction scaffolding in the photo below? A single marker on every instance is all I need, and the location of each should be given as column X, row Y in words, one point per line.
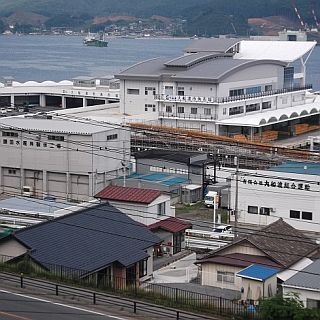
column 251, row 154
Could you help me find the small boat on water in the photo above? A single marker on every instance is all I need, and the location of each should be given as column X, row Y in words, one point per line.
column 95, row 40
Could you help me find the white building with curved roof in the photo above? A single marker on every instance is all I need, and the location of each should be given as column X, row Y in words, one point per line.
column 227, row 87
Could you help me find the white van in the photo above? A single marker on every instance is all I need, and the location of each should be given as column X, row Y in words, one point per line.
column 27, row 191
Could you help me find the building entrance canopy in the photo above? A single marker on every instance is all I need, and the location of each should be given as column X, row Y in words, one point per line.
column 266, row 118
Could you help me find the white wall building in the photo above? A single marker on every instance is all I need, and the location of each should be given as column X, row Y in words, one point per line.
column 224, row 86
column 146, row 206
column 289, row 191
column 67, row 159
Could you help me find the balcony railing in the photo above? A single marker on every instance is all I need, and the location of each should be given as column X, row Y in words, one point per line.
column 187, row 115
column 218, row 100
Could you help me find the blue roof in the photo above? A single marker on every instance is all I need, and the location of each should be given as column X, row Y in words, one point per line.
column 298, row 167
column 159, row 177
column 258, row 272
column 173, row 181
column 155, row 176
column 88, row 239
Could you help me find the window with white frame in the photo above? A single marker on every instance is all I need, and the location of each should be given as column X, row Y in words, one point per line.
column 194, row 110
column 143, row 267
column 266, row 105
column 161, row 209
column 169, row 109
column 133, row 91
column 223, row 276
column 149, row 90
column 253, row 209
column 180, row 109
column 180, row 91
column 207, row 111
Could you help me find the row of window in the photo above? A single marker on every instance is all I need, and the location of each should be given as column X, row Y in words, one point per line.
column 250, row 90
column 169, row 170
column 294, row 214
column 249, row 108
column 150, row 106
column 206, row 111
column 112, row 137
column 262, row 210
column 55, row 138
column 9, row 134
column 304, row 215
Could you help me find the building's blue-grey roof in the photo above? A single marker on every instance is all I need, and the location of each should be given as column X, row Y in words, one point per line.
column 298, row 167
column 257, row 272
column 211, row 69
column 89, row 239
column 162, row 178
column 212, row 45
column 32, row 205
column 308, row 277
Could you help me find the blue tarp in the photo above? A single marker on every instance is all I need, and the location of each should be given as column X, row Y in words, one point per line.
column 258, row 272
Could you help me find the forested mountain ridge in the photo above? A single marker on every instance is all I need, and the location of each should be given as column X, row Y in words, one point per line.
column 201, row 17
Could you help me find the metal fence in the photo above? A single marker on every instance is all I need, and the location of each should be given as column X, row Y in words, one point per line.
column 129, row 287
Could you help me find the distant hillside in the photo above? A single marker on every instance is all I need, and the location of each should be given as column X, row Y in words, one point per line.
column 202, row 17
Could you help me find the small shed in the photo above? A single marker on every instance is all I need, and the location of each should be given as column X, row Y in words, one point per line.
column 191, row 193
column 258, row 281
column 171, row 231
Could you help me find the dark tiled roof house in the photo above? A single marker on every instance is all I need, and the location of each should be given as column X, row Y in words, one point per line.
column 92, row 239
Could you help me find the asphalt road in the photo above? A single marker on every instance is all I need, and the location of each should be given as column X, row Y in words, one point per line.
column 15, row 306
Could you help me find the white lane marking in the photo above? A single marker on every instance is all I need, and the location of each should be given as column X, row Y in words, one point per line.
column 62, row 305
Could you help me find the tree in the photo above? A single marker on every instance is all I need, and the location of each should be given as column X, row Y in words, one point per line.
column 289, row 307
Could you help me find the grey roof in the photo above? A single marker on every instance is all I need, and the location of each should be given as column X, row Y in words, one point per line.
column 211, row 70
column 89, row 239
column 167, row 155
column 308, row 277
column 188, row 60
column 279, row 241
column 51, row 125
column 84, row 78
column 33, row 205
column 212, row 45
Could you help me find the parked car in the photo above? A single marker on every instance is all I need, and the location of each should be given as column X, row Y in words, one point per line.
column 3, row 110
column 223, row 231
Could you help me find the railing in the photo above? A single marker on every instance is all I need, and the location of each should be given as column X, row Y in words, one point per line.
column 197, row 116
column 145, row 294
column 216, row 100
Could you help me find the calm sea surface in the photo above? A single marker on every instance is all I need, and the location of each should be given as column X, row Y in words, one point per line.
column 57, row 58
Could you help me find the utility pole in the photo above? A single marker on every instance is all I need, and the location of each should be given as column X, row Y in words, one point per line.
column 236, row 162
column 124, row 164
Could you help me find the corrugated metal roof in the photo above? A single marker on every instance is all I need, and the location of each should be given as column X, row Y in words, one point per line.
column 89, row 239
column 171, row 224
column 51, row 125
column 213, row 70
column 188, row 60
column 257, row 272
column 127, row 194
column 20, row 204
column 212, row 45
column 308, row 278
